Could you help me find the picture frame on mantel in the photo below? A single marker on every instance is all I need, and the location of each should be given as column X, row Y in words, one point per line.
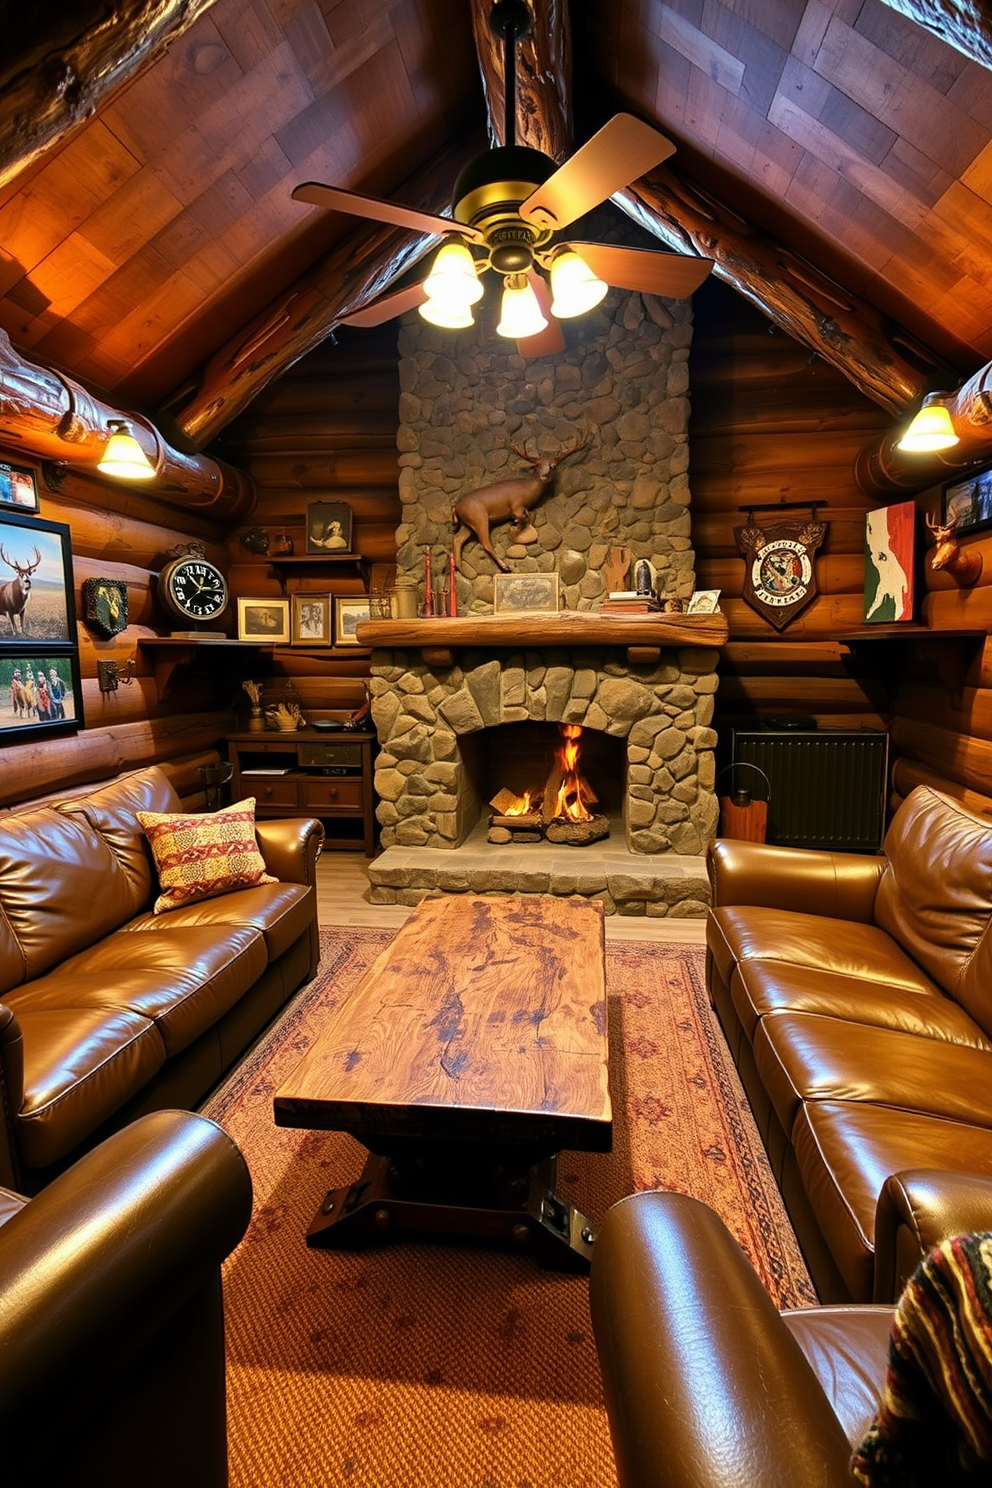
column 264, row 621
column 311, row 619
column 329, row 528
column 347, row 614
column 526, row 593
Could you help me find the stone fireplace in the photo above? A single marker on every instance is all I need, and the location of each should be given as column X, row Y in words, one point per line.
column 439, row 684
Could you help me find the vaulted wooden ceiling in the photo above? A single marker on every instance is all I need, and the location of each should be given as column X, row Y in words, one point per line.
column 834, row 157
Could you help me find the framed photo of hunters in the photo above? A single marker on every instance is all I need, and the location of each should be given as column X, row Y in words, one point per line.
column 329, row 527
column 40, row 692
column 967, row 502
column 311, row 619
column 264, row 621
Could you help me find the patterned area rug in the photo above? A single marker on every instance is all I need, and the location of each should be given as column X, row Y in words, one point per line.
column 421, row 1365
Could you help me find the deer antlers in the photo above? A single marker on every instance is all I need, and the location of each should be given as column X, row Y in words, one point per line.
column 551, row 460
column 964, row 565
column 21, row 568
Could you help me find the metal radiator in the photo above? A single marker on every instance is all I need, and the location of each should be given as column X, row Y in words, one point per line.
column 827, row 788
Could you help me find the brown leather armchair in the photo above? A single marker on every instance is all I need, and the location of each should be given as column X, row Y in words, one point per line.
column 111, row 1320
column 707, row 1385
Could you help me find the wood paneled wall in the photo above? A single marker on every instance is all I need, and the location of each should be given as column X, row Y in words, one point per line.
column 326, row 431
column 771, row 424
column 119, row 533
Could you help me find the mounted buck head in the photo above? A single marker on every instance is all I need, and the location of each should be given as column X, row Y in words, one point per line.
column 964, row 566
column 22, row 570
column 546, row 465
column 14, row 593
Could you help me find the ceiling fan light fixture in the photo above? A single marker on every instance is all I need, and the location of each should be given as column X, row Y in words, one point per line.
column 931, row 430
column 574, row 286
column 520, row 312
column 453, row 278
column 450, row 315
column 123, row 458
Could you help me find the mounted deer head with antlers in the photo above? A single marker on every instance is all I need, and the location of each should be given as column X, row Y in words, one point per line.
column 476, row 512
column 963, row 564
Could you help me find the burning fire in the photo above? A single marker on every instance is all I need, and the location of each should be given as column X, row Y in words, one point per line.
column 574, row 793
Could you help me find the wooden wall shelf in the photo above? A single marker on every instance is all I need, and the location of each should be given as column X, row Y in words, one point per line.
column 171, row 655
column 284, row 568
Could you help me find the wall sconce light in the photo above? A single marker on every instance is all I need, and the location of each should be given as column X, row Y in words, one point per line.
column 931, row 430
column 123, row 458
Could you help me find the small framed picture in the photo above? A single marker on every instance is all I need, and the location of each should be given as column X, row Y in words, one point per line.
column 40, row 693
column 264, row 620
column 517, row 593
column 347, row 614
column 704, row 602
column 311, row 619
column 18, row 487
column 890, row 544
column 37, row 597
column 967, row 502
column 328, row 527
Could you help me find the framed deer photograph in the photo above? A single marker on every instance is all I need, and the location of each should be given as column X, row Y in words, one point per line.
column 967, row 502
column 40, row 691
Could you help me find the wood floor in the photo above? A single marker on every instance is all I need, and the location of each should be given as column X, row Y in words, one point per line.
column 342, row 879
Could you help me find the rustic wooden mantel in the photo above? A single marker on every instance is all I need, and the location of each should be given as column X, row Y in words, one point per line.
column 643, row 636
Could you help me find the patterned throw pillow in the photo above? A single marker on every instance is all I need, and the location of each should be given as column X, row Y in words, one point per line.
column 198, row 857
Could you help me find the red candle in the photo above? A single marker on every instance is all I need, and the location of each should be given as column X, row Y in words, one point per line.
column 452, row 593
column 428, row 584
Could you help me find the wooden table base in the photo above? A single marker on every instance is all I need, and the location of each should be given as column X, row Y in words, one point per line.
column 494, row 1202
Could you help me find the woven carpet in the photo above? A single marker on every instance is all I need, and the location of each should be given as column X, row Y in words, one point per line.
column 434, row 1366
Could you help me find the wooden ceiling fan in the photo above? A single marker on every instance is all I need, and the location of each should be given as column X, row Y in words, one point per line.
column 509, row 206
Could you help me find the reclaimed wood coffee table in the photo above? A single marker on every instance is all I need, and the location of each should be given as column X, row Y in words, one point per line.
column 473, row 1051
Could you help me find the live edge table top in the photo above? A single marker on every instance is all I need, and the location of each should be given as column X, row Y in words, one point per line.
column 483, row 1020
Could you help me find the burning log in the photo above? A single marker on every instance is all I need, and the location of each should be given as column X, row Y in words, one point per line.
column 559, row 812
column 578, row 833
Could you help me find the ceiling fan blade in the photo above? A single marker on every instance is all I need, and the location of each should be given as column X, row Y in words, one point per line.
column 550, row 341
column 337, row 200
column 673, row 275
column 622, row 150
column 387, row 306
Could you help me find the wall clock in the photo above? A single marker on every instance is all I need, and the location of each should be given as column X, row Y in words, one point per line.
column 779, row 577
column 192, row 588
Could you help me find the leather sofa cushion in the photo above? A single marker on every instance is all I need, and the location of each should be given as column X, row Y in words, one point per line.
column 935, row 899
column 80, row 1066
column 845, row 1150
column 182, row 979
column 280, row 912
column 847, row 1348
column 802, row 1057
column 111, row 811
column 758, row 933
column 61, row 889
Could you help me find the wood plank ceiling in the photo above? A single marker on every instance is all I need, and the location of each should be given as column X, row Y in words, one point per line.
column 833, row 156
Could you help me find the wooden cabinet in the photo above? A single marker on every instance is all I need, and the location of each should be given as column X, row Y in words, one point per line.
column 310, row 773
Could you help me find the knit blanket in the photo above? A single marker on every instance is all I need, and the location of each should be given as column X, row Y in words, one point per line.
column 934, row 1424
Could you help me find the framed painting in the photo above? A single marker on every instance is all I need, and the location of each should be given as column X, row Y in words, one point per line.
column 967, row 502
column 704, row 602
column 36, row 587
column 521, row 593
column 890, row 541
column 311, row 619
column 347, row 614
column 329, row 527
column 40, row 693
column 264, row 620
column 18, row 487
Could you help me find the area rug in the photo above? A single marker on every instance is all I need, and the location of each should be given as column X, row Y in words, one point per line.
column 436, row 1366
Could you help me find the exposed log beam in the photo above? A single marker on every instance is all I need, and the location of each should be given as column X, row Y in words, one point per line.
column 544, row 114
column 352, row 274
column 964, row 24
column 66, row 57
column 883, row 470
column 51, row 417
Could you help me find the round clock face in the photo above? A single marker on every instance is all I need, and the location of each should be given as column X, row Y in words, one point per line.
column 781, row 572
column 194, row 589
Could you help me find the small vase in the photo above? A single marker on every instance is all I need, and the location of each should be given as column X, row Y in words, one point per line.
column 256, row 720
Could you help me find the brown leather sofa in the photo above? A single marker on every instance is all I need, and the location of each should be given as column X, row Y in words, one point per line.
column 856, row 996
column 109, row 1010
column 111, row 1317
column 706, row 1384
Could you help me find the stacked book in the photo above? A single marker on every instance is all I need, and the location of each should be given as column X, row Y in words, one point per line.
column 628, row 602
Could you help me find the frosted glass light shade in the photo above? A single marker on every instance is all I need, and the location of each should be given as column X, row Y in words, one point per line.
column 124, row 458
column 930, row 430
column 449, row 315
column 574, row 287
column 452, row 278
column 521, row 314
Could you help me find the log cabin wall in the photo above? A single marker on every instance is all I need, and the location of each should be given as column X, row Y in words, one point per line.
column 770, row 423
column 120, row 533
column 325, row 431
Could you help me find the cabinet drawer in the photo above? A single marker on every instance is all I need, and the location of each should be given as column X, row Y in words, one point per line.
column 271, row 792
column 333, row 794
